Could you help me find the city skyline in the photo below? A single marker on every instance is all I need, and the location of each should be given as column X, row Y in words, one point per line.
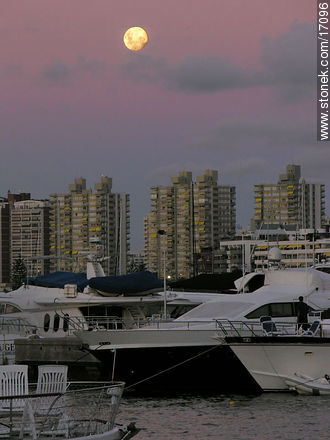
column 220, row 85
column 194, row 181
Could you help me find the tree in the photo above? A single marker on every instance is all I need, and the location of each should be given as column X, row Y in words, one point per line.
column 18, row 273
column 134, row 266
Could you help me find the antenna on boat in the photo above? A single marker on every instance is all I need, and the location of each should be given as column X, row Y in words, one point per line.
column 163, row 233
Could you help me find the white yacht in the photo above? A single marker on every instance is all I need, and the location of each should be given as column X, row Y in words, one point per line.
column 184, row 353
column 55, row 312
column 286, row 360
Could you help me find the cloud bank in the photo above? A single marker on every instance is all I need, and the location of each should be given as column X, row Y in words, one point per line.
column 287, row 63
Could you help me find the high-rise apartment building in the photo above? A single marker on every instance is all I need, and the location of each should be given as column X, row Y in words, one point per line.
column 291, row 201
column 4, row 242
column 192, row 216
column 83, row 222
column 29, row 238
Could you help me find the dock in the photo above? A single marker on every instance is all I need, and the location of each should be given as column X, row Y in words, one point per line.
column 66, row 350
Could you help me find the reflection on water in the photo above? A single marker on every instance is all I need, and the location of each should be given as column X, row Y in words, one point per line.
column 268, row 416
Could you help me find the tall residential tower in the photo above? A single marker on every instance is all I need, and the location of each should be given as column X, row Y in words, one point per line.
column 29, row 238
column 192, row 216
column 291, row 201
column 84, row 222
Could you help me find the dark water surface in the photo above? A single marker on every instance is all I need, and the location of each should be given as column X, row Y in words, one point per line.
column 267, row 416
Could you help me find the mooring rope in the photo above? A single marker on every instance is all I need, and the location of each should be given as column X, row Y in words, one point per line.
column 173, row 366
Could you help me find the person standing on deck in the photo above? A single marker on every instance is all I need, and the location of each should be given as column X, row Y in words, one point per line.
column 302, row 314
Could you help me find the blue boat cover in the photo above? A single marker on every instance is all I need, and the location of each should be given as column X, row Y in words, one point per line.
column 59, row 279
column 133, row 283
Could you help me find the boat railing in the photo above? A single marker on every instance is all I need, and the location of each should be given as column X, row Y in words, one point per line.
column 111, row 322
column 85, row 409
column 224, row 327
column 101, row 323
column 227, row 328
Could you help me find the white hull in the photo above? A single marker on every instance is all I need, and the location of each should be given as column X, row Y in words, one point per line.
column 147, row 338
column 117, row 433
column 271, row 364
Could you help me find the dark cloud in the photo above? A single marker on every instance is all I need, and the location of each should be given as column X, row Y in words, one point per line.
column 205, row 74
column 196, row 74
column 60, row 72
column 290, row 60
column 288, row 63
column 261, row 133
column 93, row 67
column 57, row 72
column 145, row 68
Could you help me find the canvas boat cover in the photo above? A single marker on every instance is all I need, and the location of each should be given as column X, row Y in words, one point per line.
column 59, row 279
column 133, row 283
column 220, row 282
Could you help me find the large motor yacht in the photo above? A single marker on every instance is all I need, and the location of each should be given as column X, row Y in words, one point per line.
column 43, row 308
column 286, row 357
column 186, row 353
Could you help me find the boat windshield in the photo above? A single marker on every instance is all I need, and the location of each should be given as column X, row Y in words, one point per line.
column 214, row 310
column 6, row 308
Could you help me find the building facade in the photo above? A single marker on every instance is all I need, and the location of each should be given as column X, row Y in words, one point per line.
column 249, row 253
column 192, row 216
column 29, row 235
column 4, row 242
column 84, row 222
column 291, row 201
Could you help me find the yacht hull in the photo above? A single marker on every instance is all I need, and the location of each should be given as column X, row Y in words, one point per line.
column 194, row 369
column 271, row 360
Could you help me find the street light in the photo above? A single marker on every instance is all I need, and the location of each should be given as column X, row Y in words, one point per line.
column 163, row 233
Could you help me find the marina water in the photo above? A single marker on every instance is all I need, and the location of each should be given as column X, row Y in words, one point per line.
column 282, row 416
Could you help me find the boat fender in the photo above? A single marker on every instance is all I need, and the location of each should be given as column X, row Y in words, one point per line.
column 115, row 394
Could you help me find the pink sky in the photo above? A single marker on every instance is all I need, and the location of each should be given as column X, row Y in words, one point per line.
column 221, row 84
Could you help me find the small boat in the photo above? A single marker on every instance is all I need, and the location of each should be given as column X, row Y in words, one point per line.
column 307, row 385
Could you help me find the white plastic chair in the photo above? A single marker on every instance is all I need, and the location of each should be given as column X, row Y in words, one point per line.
column 13, row 382
column 52, row 379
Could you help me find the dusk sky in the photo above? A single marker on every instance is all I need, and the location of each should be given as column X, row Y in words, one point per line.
column 222, row 84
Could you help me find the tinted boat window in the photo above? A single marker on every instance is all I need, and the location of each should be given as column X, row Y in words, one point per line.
column 281, row 310
column 260, row 311
column 8, row 308
column 12, row 309
column 46, row 322
column 275, row 310
column 56, row 322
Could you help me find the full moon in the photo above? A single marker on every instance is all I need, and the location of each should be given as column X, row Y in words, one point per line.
column 135, row 38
